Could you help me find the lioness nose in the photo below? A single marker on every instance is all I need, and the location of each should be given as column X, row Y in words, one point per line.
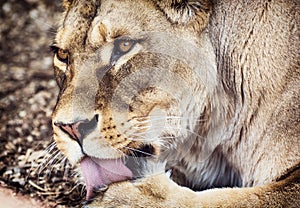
column 79, row 129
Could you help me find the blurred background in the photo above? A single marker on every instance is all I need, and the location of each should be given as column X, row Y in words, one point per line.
column 27, row 97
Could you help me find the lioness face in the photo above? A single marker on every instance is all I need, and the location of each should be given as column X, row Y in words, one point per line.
column 126, row 86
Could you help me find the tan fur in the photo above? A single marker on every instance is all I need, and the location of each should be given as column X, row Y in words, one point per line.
column 224, row 75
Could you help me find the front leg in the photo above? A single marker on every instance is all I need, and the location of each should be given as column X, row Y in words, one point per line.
column 159, row 191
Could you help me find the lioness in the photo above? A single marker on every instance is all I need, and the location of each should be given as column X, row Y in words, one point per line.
column 181, row 103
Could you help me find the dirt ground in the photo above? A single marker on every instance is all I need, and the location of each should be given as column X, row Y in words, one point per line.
column 27, row 96
column 9, row 199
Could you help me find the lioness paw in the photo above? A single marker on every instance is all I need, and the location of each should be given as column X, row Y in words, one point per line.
column 148, row 192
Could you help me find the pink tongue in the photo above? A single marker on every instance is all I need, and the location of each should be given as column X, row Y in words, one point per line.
column 100, row 172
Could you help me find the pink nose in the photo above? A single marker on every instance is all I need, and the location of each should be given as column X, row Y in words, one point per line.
column 70, row 129
column 79, row 129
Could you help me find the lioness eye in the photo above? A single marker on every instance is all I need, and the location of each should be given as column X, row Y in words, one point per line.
column 62, row 55
column 121, row 47
column 125, row 46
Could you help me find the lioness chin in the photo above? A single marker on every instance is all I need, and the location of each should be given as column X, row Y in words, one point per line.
column 205, row 91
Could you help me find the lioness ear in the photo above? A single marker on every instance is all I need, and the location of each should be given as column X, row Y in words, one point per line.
column 187, row 12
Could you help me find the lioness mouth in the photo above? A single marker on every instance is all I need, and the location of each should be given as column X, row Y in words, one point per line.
column 98, row 173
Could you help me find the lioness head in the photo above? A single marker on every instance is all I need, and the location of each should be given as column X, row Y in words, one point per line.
column 134, row 80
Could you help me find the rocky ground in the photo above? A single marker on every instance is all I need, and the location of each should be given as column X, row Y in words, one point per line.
column 27, row 96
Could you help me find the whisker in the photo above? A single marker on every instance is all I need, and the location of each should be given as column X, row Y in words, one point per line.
column 50, row 147
column 133, row 155
column 144, row 127
column 141, row 139
column 168, row 128
column 140, row 151
column 54, row 157
column 42, row 22
column 170, row 117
